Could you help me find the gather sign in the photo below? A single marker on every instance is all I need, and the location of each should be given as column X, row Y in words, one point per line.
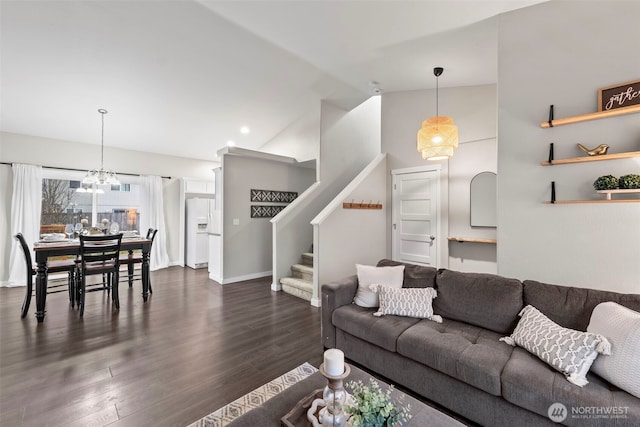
column 619, row 96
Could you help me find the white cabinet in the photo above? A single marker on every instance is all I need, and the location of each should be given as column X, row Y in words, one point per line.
column 199, row 187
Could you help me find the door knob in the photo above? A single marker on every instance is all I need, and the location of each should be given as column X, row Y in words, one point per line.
column 432, row 237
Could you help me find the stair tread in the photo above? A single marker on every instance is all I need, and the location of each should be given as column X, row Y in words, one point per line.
column 302, row 267
column 297, row 283
column 308, row 254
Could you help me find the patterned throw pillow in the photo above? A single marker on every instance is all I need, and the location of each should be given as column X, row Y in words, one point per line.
column 570, row 352
column 409, row 302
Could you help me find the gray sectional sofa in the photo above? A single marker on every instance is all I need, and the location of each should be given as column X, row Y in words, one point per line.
column 460, row 363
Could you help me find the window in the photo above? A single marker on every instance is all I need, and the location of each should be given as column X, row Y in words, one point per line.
column 67, row 201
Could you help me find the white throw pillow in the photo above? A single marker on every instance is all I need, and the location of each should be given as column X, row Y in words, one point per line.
column 569, row 351
column 369, row 275
column 409, row 302
column 621, row 326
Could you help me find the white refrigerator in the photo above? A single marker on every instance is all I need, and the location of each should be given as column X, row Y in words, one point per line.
column 198, row 215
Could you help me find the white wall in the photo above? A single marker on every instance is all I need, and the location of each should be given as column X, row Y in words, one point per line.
column 470, row 159
column 348, row 141
column 560, row 53
column 16, row 148
column 347, row 237
column 247, row 246
column 473, row 109
column 300, row 140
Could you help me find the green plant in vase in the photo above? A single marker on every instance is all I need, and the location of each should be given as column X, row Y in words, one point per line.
column 630, row 181
column 374, row 407
column 606, row 182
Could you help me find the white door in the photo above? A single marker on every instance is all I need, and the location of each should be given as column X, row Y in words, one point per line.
column 415, row 217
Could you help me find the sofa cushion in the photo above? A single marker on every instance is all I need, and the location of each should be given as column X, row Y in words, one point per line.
column 567, row 350
column 381, row 331
column 484, row 300
column 369, row 275
column 465, row 352
column 621, row 326
column 571, row 307
column 415, row 276
column 532, row 384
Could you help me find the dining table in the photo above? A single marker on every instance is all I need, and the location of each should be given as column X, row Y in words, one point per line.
column 44, row 250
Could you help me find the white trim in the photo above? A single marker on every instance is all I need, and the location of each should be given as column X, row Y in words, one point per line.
column 276, row 287
column 315, row 297
column 428, row 168
column 337, row 201
column 215, row 278
column 236, row 151
column 293, row 205
column 243, row 278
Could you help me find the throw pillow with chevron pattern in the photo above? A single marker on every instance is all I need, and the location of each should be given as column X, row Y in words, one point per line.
column 409, row 302
column 569, row 351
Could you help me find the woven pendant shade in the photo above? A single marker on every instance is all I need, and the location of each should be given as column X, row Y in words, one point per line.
column 438, row 138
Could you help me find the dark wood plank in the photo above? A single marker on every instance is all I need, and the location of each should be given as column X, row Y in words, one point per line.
column 192, row 348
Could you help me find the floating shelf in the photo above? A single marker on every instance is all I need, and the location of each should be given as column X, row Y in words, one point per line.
column 592, row 158
column 591, row 116
column 571, row 202
column 470, row 239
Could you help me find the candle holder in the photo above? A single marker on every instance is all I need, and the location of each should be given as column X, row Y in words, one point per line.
column 335, row 398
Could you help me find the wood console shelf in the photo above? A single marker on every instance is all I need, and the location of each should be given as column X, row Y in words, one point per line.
column 591, row 116
column 469, row 239
column 572, row 202
column 592, row 158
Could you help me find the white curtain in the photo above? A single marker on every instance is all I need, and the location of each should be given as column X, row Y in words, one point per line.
column 152, row 216
column 26, row 207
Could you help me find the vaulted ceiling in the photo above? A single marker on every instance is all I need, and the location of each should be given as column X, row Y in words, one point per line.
column 182, row 77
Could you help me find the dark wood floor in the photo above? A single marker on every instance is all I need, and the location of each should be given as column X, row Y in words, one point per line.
column 192, row 348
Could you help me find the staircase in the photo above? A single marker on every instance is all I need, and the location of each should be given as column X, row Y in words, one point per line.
column 301, row 282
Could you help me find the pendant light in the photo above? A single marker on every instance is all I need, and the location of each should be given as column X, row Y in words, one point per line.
column 438, row 137
column 101, row 176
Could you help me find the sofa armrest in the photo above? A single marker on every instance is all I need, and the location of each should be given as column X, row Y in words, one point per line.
column 334, row 295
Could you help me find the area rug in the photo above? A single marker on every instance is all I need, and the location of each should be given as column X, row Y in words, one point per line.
column 257, row 397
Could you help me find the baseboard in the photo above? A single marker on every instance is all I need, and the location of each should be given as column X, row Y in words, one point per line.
column 277, row 287
column 243, row 278
column 215, row 278
column 316, row 302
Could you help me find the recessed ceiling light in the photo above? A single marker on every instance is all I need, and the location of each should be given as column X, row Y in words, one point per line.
column 245, row 130
column 231, row 143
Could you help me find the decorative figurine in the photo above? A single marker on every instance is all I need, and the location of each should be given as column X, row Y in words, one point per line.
column 598, row 151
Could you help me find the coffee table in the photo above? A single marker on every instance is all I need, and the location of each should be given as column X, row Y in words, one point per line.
column 270, row 413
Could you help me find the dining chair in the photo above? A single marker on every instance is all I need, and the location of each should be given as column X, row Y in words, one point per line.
column 99, row 255
column 131, row 259
column 67, row 265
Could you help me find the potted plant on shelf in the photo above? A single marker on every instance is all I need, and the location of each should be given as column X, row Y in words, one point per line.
column 373, row 407
column 606, row 182
column 628, row 182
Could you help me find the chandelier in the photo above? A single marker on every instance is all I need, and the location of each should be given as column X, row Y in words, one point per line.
column 438, row 136
column 101, row 176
